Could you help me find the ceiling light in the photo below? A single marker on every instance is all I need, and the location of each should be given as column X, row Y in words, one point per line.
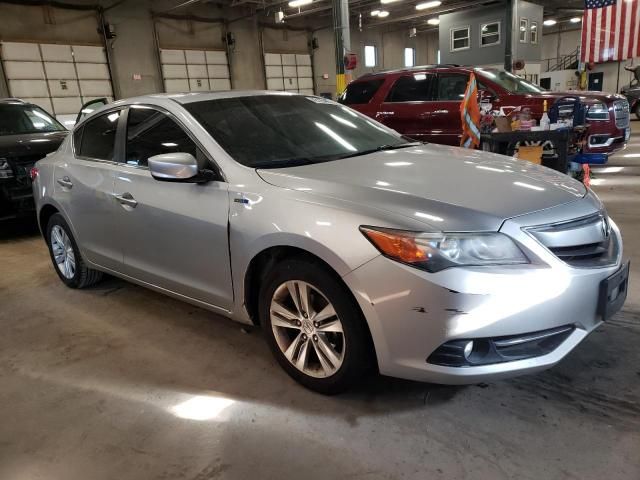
column 383, row 13
column 426, row 5
column 299, row 3
column 576, row 20
column 433, row 21
column 375, row 13
column 549, row 22
column 388, row 1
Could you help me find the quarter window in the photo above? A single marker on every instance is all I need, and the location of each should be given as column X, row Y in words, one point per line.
column 524, row 27
column 534, row 32
column 361, row 92
column 460, row 38
column 411, row 88
column 451, row 86
column 150, row 132
column 99, row 136
column 489, row 34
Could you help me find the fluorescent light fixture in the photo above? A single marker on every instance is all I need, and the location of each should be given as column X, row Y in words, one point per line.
column 433, row 21
column 299, row 3
column 374, row 13
column 169, row 144
column 427, row 5
column 576, row 20
column 388, row 1
column 383, row 14
column 549, row 22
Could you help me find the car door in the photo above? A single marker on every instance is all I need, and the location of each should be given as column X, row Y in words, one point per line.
column 173, row 234
column 407, row 108
column 445, row 116
column 84, row 188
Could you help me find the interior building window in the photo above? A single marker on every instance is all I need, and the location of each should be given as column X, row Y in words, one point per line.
column 489, row 34
column 460, row 38
column 534, row 32
column 524, row 27
column 370, row 56
column 409, row 57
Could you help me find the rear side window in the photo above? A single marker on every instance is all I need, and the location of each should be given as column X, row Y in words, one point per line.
column 361, row 92
column 98, row 137
column 411, row 88
column 150, row 132
column 451, row 86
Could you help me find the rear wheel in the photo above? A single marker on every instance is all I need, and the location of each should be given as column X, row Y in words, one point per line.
column 315, row 329
column 66, row 256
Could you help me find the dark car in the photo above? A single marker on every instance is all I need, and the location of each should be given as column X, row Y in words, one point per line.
column 27, row 134
column 424, row 103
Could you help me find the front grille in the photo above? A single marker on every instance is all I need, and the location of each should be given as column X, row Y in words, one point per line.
column 621, row 112
column 584, row 242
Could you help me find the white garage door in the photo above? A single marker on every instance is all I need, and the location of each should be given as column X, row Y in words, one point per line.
column 289, row 71
column 59, row 78
column 194, row 70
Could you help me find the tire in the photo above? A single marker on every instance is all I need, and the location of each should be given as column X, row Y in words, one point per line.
column 73, row 271
column 335, row 361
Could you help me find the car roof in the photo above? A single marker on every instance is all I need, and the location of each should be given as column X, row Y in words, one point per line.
column 191, row 97
column 418, row 68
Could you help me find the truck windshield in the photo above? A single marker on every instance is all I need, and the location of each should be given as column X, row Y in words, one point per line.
column 20, row 119
column 509, row 81
column 281, row 130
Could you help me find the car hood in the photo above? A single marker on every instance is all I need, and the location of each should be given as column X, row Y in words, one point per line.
column 588, row 97
column 448, row 188
column 31, row 144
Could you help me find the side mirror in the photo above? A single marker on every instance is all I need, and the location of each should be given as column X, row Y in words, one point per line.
column 174, row 167
column 486, row 96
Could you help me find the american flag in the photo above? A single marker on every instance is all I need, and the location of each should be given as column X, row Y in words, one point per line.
column 610, row 30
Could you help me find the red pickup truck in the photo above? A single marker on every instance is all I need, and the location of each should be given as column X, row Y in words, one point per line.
column 424, row 103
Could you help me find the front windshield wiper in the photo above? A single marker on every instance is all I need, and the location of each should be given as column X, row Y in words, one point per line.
column 383, row 148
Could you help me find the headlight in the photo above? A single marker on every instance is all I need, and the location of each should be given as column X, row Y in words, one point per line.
column 5, row 169
column 598, row 111
column 436, row 251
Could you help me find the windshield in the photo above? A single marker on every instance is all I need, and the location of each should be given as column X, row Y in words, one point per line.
column 509, row 81
column 272, row 131
column 18, row 119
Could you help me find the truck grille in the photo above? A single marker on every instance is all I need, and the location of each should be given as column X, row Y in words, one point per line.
column 585, row 242
column 621, row 112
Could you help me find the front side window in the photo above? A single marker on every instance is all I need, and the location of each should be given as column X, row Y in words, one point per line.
column 370, row 56
column 409, row 57
column 276, row 131
column 534, row 32
column 360, row 92
column 150, row 132
column 460, row 38
column 451, row 86
column 524, row 27
column 411, row 88
column 21, row 119
column 98, row 137
column 489, row 34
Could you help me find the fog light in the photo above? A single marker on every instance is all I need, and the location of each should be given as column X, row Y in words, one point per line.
column 468, row 348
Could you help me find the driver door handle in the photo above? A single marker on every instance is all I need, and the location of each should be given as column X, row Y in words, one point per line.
column 127, row 200
column 65, row 182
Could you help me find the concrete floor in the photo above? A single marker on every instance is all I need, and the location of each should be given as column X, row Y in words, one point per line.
column 118, row 382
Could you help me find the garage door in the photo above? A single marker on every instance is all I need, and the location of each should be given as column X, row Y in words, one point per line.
column 59, row 78
column 194, row 70
column 289, row 72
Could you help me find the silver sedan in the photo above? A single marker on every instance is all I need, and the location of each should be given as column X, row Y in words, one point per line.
column 354, row 248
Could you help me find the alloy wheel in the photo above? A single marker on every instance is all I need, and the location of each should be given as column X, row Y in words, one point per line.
column 63, row 252
column 307, row 329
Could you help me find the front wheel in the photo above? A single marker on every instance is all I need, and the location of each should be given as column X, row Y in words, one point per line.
column 314, row 327
column 66, row 256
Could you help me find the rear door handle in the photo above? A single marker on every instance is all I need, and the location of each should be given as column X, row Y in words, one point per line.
column 127, row 200
column 65, row 182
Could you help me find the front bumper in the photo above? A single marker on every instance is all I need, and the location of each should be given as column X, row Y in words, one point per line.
column 411, row 313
